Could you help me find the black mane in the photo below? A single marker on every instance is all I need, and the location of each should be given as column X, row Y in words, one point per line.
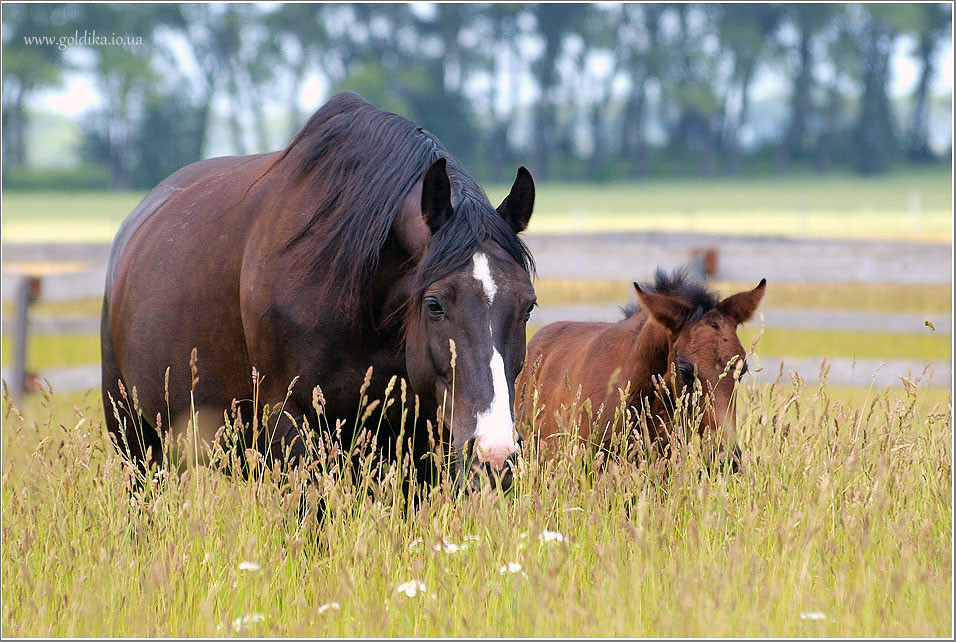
column 361, row 163
column 679, row 283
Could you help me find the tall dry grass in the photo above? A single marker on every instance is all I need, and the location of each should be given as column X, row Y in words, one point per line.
column 838, row 523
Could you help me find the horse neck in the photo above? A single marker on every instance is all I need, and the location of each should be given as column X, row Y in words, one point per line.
column 647, row 356
column 394, row 281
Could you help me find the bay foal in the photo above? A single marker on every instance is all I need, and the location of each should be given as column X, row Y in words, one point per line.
column 679, row 334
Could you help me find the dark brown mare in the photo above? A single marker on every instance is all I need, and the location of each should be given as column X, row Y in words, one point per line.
column 679, row 327
column 363, row 243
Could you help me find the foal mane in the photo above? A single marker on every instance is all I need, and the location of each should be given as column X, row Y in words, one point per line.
column 679, row 284
column 361, row 162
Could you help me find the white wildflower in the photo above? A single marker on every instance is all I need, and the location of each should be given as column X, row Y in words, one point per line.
column 415, row 543
column 510, row 567
column 246, row 565
column 450, row 547
column 242, row 623
column 551, row 536
column 411, row 588
column 813, row 615
column 331, row 606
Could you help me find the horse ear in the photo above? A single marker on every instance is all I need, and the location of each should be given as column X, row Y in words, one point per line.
column 436, row 195
column 517, row 206
column 740, row 307
column 670, row 312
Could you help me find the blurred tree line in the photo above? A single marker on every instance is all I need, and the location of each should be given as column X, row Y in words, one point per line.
column 617, row 91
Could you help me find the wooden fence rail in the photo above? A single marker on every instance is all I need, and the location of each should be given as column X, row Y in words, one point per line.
column 58, row 272
column 49, row 281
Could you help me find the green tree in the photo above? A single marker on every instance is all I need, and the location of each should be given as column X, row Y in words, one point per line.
column 746, row 31
column 639, row 42
column 843, row 56
column 497, row 51
column 693, row 84
column 26, row 69
column 808, row 20
column 124, row 73
column 437, row 99
column 300, row 41
column 875, row 136
column 554, row 23
column 931, row 29
column 595, row 108
column 164, row 140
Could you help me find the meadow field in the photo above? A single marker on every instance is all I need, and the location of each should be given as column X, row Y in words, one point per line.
column 839, row 522
column 912, row 205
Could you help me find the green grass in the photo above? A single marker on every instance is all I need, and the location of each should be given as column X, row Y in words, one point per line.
column 847, row 343
column 55, row 351
column 58, row 216
column 44, row 352
column 843, row 505
column 805, row 206
column 91, row 307
column 837, row 343
column 841, row 509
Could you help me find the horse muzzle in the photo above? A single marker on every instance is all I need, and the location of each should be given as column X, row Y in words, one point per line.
column 474, row 468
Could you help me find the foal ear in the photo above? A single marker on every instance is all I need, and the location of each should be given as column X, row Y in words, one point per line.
column 670, row 312
column 740, row 307
column 436, row 195
column 517, row 206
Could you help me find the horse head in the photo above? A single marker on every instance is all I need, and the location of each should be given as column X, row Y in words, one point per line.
column 704, row 349
column 466, row 314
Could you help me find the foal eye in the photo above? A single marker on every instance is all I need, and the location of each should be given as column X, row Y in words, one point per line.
column 686, row 370
column 743, row 371
column 435, row 311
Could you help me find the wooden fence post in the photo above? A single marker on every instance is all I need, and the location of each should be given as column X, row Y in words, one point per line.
column 26, row 291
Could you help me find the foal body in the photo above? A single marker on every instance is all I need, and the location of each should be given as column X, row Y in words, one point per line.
column 582, row 370
column 575, row 365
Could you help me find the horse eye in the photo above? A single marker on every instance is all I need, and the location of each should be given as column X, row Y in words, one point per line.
column 527, row 314
column 435, row 311
column 743, row 370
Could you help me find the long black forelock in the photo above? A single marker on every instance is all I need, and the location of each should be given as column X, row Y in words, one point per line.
column 680, row 284
column 473, row 222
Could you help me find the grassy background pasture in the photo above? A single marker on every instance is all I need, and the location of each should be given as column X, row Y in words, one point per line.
column 839, row 524
column 47, row 352
column 809, row 206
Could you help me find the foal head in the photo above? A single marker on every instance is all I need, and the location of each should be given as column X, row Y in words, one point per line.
column 703, row 345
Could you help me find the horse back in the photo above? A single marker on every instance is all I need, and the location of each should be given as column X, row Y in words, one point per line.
column 172, row 284
column 207, row 176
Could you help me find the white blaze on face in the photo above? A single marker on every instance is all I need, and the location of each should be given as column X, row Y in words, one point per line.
column 495, row 433
column 483, row 276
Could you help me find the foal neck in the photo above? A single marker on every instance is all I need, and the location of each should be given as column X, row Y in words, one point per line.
column 648, row 355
